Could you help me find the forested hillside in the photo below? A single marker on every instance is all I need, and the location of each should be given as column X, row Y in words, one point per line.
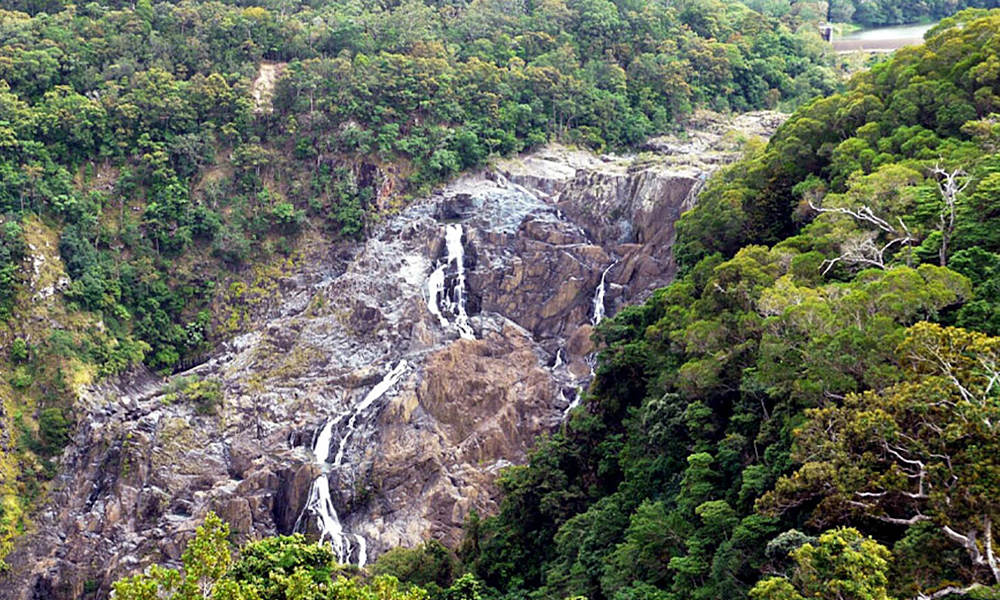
column 139, row 158
column 824, row 371
column 886, row 12
column 810, row 410
column 869, row 13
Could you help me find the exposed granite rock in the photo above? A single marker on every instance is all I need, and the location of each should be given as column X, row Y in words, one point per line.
column 537, row 235
column 479, row 405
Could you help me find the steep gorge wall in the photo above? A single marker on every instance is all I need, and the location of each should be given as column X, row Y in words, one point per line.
column 545, row 244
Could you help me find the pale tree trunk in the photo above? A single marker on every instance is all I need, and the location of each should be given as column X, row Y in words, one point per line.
column 950, row 185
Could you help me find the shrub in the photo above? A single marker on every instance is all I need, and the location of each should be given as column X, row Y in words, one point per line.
column 54, row 429
column 204, row 395
column 19, row 350
column 21, row 378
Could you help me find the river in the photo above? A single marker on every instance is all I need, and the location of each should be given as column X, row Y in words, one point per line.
column 899, row 32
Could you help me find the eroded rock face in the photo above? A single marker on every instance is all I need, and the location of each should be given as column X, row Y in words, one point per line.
column 531, row 239
column 477, row 408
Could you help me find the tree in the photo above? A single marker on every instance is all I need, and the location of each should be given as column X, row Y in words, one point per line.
column 466, row 587
column 205, row 561
column 264, row 563
column 867, row 219
column 865, row 249
column 275, row 568
column 430, row 563
column 54, row 429
column 924, row 450
column 841, row 565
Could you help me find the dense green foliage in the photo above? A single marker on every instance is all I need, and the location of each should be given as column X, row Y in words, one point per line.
column 275, row 568
column 135, row 131
column 804, row 372
column 430, row 566
column 145, row 147
column 889, row 12
column 445, row 91
column 841, row 565
column 893, row 12
column 869, row 13
column 11, row 255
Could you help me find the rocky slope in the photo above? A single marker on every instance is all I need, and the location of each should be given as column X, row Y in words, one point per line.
column 375, row 404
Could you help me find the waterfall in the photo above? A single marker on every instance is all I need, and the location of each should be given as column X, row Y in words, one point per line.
column 321, row 445
column 573, row 403
column 362, row 551
column 376, row 392
column 559, row 360
column 435, row 289
column 320, row 503
column 456, row 253
column 599, row 296
column 437, row 295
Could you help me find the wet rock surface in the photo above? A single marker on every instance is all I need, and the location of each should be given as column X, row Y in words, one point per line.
column 537, row 234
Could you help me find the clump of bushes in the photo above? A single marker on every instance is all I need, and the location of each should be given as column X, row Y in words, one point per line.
column 21, row 378
column 204, row 394
column 19, row 350
column 53, row 429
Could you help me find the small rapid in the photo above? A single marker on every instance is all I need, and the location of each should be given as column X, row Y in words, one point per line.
column 572, row 403
column 435, row 290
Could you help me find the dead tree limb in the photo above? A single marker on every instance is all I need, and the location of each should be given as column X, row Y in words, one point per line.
column 950, row 185
column 864, row 249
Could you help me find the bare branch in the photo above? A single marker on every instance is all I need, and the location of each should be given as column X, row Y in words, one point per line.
column 863, row 214
column 862, row 249
column 917, row 518
column 948, row 591
column 897, row 521
column 991, row 558
column 950, row 185
column 968, row 541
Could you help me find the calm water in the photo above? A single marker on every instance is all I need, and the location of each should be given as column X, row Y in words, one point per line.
column 890, row 33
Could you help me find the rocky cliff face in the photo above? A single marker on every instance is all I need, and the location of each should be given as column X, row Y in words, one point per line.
column 374, row 406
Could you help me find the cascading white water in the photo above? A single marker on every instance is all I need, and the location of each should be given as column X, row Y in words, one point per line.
column 436, row 292
column 456, row 252
column 362, row 550
column 321, row 445
column 573, row 403
column 559, row 360
column 376, row 392
column 599, row 297
column 320, row 503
